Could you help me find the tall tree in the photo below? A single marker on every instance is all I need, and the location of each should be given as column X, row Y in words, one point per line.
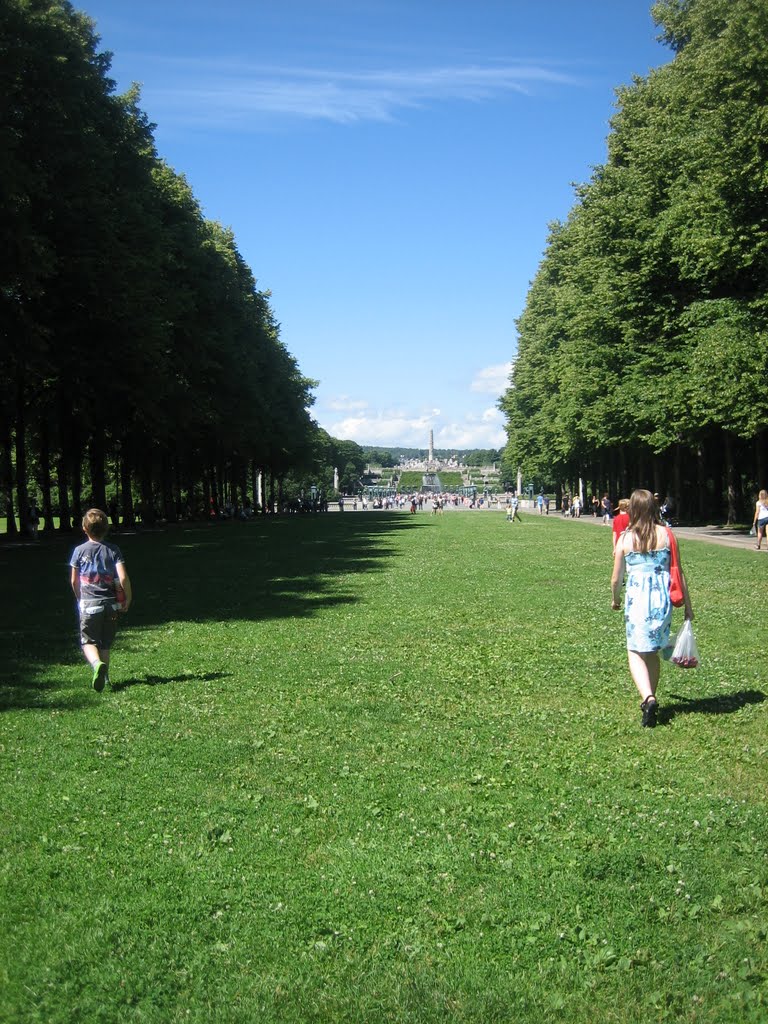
column 654, row 290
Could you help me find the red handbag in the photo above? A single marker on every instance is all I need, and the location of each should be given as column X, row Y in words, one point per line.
column 676, row 595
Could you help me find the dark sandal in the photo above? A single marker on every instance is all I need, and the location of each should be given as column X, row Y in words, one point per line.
column 648, row 707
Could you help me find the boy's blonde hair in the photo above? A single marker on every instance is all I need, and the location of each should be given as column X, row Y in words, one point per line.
column 95, row 523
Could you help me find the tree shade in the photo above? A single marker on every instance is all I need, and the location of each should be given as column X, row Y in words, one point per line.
column 642, row 355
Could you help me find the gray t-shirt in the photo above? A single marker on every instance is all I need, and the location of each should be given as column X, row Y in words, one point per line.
column 96, row 564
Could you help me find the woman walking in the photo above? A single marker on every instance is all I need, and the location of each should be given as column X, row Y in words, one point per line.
column 761, row 516
column 643, row 552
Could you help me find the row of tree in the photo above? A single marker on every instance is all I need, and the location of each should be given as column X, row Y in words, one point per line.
column 390, row 457
column 643, row 346
column 141, row 365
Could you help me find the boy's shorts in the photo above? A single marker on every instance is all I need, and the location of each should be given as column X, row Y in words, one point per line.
column 98, row 626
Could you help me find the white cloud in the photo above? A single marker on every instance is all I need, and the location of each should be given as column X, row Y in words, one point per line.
column 237, row 92
column 385, row 427
column 492, row 380
column 466, row 423
column 483, row 430
column 396, row 428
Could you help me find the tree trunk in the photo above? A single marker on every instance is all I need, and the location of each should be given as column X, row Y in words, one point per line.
column 166, row 488
column 716, row 464
column 147, row 506
column 45, row 476
column 215, row 499
column 730, row 478
column 6, row 470
column 96, row 467
column 62, row 486
column 241, row 493
column 677, row 484
column 701, row 487
column 76, row 462
column 640, row 478
column 760, row 470
column 177, row 503
column 624, row 486
column 657, row 485
column 258, row 489
column 225, row 484
column 126, row 488
column 21, row 457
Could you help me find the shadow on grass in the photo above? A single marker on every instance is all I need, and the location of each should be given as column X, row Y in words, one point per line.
column 42, row 695
column 185, row 677
column 47, row 695
column 726, row 704
column 290, row 567
column 286, row 567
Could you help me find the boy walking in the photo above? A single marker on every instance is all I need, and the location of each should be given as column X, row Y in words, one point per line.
column 103, row 590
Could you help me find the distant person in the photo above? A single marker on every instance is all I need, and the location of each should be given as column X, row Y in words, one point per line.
column 606, row 507
column 540, row 503
column 515, row 510
column 103, row 591
column 760, row 522
column 620, row 520
column 576, row 507
column 643, row 552
column 33, row 520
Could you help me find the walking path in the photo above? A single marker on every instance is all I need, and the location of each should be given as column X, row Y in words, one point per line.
column 728, row 536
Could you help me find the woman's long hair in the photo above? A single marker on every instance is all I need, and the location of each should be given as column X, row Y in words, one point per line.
column 644, row 517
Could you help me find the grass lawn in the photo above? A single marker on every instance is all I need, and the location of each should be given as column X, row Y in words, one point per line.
column 380, row 767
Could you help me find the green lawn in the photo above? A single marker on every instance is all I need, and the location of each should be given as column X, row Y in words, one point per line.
column 410, row 480
column 380, row 767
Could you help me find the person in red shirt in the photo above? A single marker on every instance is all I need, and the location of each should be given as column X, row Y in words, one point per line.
column 620, row 520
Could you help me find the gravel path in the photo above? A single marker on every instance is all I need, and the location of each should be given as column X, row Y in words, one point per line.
column 728, row 536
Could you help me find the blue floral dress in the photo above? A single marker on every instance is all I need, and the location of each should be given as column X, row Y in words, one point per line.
column 647, row 607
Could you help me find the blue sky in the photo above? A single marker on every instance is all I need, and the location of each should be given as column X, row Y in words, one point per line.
column 390, row 169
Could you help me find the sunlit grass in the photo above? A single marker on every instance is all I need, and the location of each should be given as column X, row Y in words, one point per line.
column 380, row 767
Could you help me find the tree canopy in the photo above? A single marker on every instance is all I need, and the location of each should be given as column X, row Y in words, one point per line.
column 642, row 345
column 139, row 355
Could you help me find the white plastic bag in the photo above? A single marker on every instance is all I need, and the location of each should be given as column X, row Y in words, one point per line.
column 686, row 652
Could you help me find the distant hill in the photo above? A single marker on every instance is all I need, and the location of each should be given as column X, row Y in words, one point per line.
column 469, row 456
